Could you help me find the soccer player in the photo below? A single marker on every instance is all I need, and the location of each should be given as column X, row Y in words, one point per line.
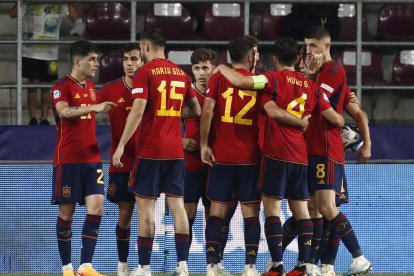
column 236, row 156
column 159, row 89
column 119, row 91
column 284, row 162
column 329, row 240
column 326, row 154
column 77, row 168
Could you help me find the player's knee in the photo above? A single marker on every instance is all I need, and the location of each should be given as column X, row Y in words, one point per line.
column 328, row 211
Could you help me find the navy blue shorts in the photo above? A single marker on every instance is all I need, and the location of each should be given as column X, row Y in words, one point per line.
column 195, row 183
column 224, row 181
column 118, row 188
column 282, row 179
column 325, row 174
column 150, row 178
column 73, row 182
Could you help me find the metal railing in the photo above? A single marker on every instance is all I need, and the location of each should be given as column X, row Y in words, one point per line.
column 19, row 86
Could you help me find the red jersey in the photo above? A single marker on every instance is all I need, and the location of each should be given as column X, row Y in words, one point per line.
column 165, row 87
column 118, row 92
column 234, row 138
column 76, row 138
column 323, row 138
column 299, row 96
column 192, row 130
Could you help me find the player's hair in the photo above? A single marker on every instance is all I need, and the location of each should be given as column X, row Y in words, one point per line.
column 204, row 54
column 155, row 37
column 239, row 48
column 250, row 39
column 286, row 51
column 318, row 32
column 82, row 48
column 130, row 47
column 302, row 53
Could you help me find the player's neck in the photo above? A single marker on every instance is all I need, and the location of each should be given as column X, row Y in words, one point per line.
column 128, row 81
column 201, row 88
column 81, row 78
column 288, row 68
column 240, row 66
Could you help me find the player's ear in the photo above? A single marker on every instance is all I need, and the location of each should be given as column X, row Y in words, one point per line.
column 275, row 61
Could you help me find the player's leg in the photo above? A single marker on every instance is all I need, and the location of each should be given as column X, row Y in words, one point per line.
column 118, row 193
column 231, row 209
column 194, row 189
column 329, row 254
column 66, row 195
column 298, row 196
column 173, row 186
column 246, row 191
column 326, row 199
column 272, row 183
column 93, row 193
column 220, row 192
column 48, row 75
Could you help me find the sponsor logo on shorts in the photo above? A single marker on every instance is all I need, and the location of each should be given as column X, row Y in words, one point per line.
column 111, row 189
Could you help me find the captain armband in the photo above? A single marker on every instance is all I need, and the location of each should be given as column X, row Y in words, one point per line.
column 259, row 82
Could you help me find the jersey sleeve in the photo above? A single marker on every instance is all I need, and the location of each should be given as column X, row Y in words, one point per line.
column 61, row 93
column 331, row 83
column 189, row 94
column 213, row 87
column 268, row 92
column 102, row 94
column 140, row 85
column 322, row 100
column 347, row 95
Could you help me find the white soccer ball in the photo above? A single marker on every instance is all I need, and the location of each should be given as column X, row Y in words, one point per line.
column 351, row 138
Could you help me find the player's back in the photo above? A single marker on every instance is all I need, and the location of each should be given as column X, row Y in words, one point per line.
column 76, row 138
column 323, row 138
column 298, row 95
column 117, row 91
column 235, row 133
column 165, row 86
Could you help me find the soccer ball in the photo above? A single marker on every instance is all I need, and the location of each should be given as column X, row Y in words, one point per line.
column 351, row 138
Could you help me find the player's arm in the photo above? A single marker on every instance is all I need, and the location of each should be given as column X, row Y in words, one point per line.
column 284, row 117
column 333, row 117
column 361, row 118
column 133, row 120
column 192, row 109
column 71, row 112
column 240, row 81
column 205, row 124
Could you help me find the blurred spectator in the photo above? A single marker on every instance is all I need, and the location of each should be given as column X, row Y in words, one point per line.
column 42, row 22
column 77, row 13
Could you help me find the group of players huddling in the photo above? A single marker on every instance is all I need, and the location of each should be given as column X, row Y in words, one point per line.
column 259, row 139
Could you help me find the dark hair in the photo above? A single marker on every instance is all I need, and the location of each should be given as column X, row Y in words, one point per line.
column 317, row 32
column 252, row 40
column 82, row 48
column 203, row 54
column 155, row 37
column 239, row 48
column 130, row 47
column 286, row 51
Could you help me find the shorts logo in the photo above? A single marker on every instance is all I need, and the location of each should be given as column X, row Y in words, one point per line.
column 321, row 182
column 56, row 94
column 111, row 189
column 67, row 192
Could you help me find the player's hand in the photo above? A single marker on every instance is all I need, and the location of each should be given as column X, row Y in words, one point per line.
column 364, row 153
column 207, row 156
column 190, row 145
column 104, row 106
column 217, row 69
column 353, row 98
column 116, row 158
column 315, row 63
column 306, row 122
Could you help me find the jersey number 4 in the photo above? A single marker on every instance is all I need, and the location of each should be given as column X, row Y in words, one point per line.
column 174, row 110
column 238, row 119
column 301, row 101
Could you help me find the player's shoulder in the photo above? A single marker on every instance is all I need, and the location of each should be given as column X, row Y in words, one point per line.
column 332, row 68
column 112, row 84
column 62, row 82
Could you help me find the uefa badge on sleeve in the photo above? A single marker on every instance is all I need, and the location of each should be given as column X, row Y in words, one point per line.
column 56, row 94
